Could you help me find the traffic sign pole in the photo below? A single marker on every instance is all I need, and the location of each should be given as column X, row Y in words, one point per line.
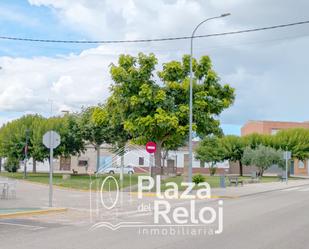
column 286, row 170
column 51, row 140
column 287, row 156
column 51, row 159
column 151, row 148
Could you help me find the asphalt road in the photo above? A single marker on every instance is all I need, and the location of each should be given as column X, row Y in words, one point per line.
column 277, row 219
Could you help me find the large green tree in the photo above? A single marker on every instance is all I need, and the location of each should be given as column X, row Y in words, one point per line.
column 15, row 134
column 263, row 157
column 210, row 151
column 95, row 127
column 295, row 140
column 13, row 137
column 157, row 109
column 111, row 115
column 233, row 149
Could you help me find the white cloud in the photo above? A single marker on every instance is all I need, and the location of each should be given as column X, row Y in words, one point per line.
column 27, row 84
column 268, row 70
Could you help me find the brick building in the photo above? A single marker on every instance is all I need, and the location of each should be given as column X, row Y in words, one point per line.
column 297, row 167
column 270, row 127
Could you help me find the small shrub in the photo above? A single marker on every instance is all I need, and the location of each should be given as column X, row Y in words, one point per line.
column 198, row 178
column 11, row 164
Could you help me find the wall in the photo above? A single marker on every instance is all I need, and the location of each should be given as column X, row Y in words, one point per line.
column 298, row 170
column 266, row 127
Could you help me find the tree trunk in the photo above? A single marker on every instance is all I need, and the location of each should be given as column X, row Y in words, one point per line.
column 122, row 167
column 98, row 157
column 0, row 163
column 157, row 169
column 261, row 172
column 33, row 165
column 240, row 168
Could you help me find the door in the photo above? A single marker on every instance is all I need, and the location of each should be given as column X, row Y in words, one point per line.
column 65, row 163
column 292, row 168
column 171, row 166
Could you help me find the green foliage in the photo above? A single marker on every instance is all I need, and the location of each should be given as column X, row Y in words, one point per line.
column 198, row 179
column 263, row 157
column 255, row 139
column 159, row 111
column 13, row 137
column 94, row 125
column 68, row 127
column 216, row 149
column 209, row 150
column 294, row 140
column 11, row 164
column 232, row 147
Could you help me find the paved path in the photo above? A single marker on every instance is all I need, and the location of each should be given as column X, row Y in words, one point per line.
column 33, row 195
column 276, row 219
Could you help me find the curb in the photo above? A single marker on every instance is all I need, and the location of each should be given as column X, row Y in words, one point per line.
column 272, row 190
column 33, row 212
column 153, row 194
column 268, row 191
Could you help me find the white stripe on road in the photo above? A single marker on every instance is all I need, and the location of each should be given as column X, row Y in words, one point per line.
column 291, row 189
column 304, row 190
column 22, row 225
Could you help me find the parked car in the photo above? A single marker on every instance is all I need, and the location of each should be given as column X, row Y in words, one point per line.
column 117, row 170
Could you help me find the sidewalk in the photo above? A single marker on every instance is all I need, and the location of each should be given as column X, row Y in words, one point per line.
column 255, row 188
column 35, row 195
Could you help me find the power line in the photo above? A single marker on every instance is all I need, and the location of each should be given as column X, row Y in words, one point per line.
column 155, row 39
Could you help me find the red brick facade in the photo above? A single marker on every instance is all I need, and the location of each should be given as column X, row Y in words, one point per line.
column 270, row 127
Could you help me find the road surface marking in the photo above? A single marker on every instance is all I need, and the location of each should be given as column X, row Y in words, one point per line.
column 291, row 189
column 304, row 190
column 22, row 225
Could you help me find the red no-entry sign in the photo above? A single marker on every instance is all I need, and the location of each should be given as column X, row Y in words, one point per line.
column 151, row 147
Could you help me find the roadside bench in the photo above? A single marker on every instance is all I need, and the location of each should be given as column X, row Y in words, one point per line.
column 254, row 177
column 235, row 180
column 282, row 177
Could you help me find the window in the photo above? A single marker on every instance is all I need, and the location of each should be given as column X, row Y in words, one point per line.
column 141, row 161
column 274, row 131
column 82, row 163
column 301, row 165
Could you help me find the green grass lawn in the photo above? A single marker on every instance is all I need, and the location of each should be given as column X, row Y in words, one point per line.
column 76, row 181
column 83, row 181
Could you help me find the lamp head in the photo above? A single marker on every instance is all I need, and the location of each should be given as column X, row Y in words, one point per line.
column 225, row 14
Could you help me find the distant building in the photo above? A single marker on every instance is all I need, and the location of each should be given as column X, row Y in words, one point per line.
column 135, row 156
column 297, row 167
column 270, row 127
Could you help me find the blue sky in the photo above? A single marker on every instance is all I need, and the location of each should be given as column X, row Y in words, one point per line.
column 267, row 69
column 19, row 19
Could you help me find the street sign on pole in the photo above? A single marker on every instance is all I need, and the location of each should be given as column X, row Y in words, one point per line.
column 287, row 155
column 151, row 147
column 51, row 140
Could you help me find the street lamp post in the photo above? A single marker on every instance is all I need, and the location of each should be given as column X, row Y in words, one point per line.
column 191, row 95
